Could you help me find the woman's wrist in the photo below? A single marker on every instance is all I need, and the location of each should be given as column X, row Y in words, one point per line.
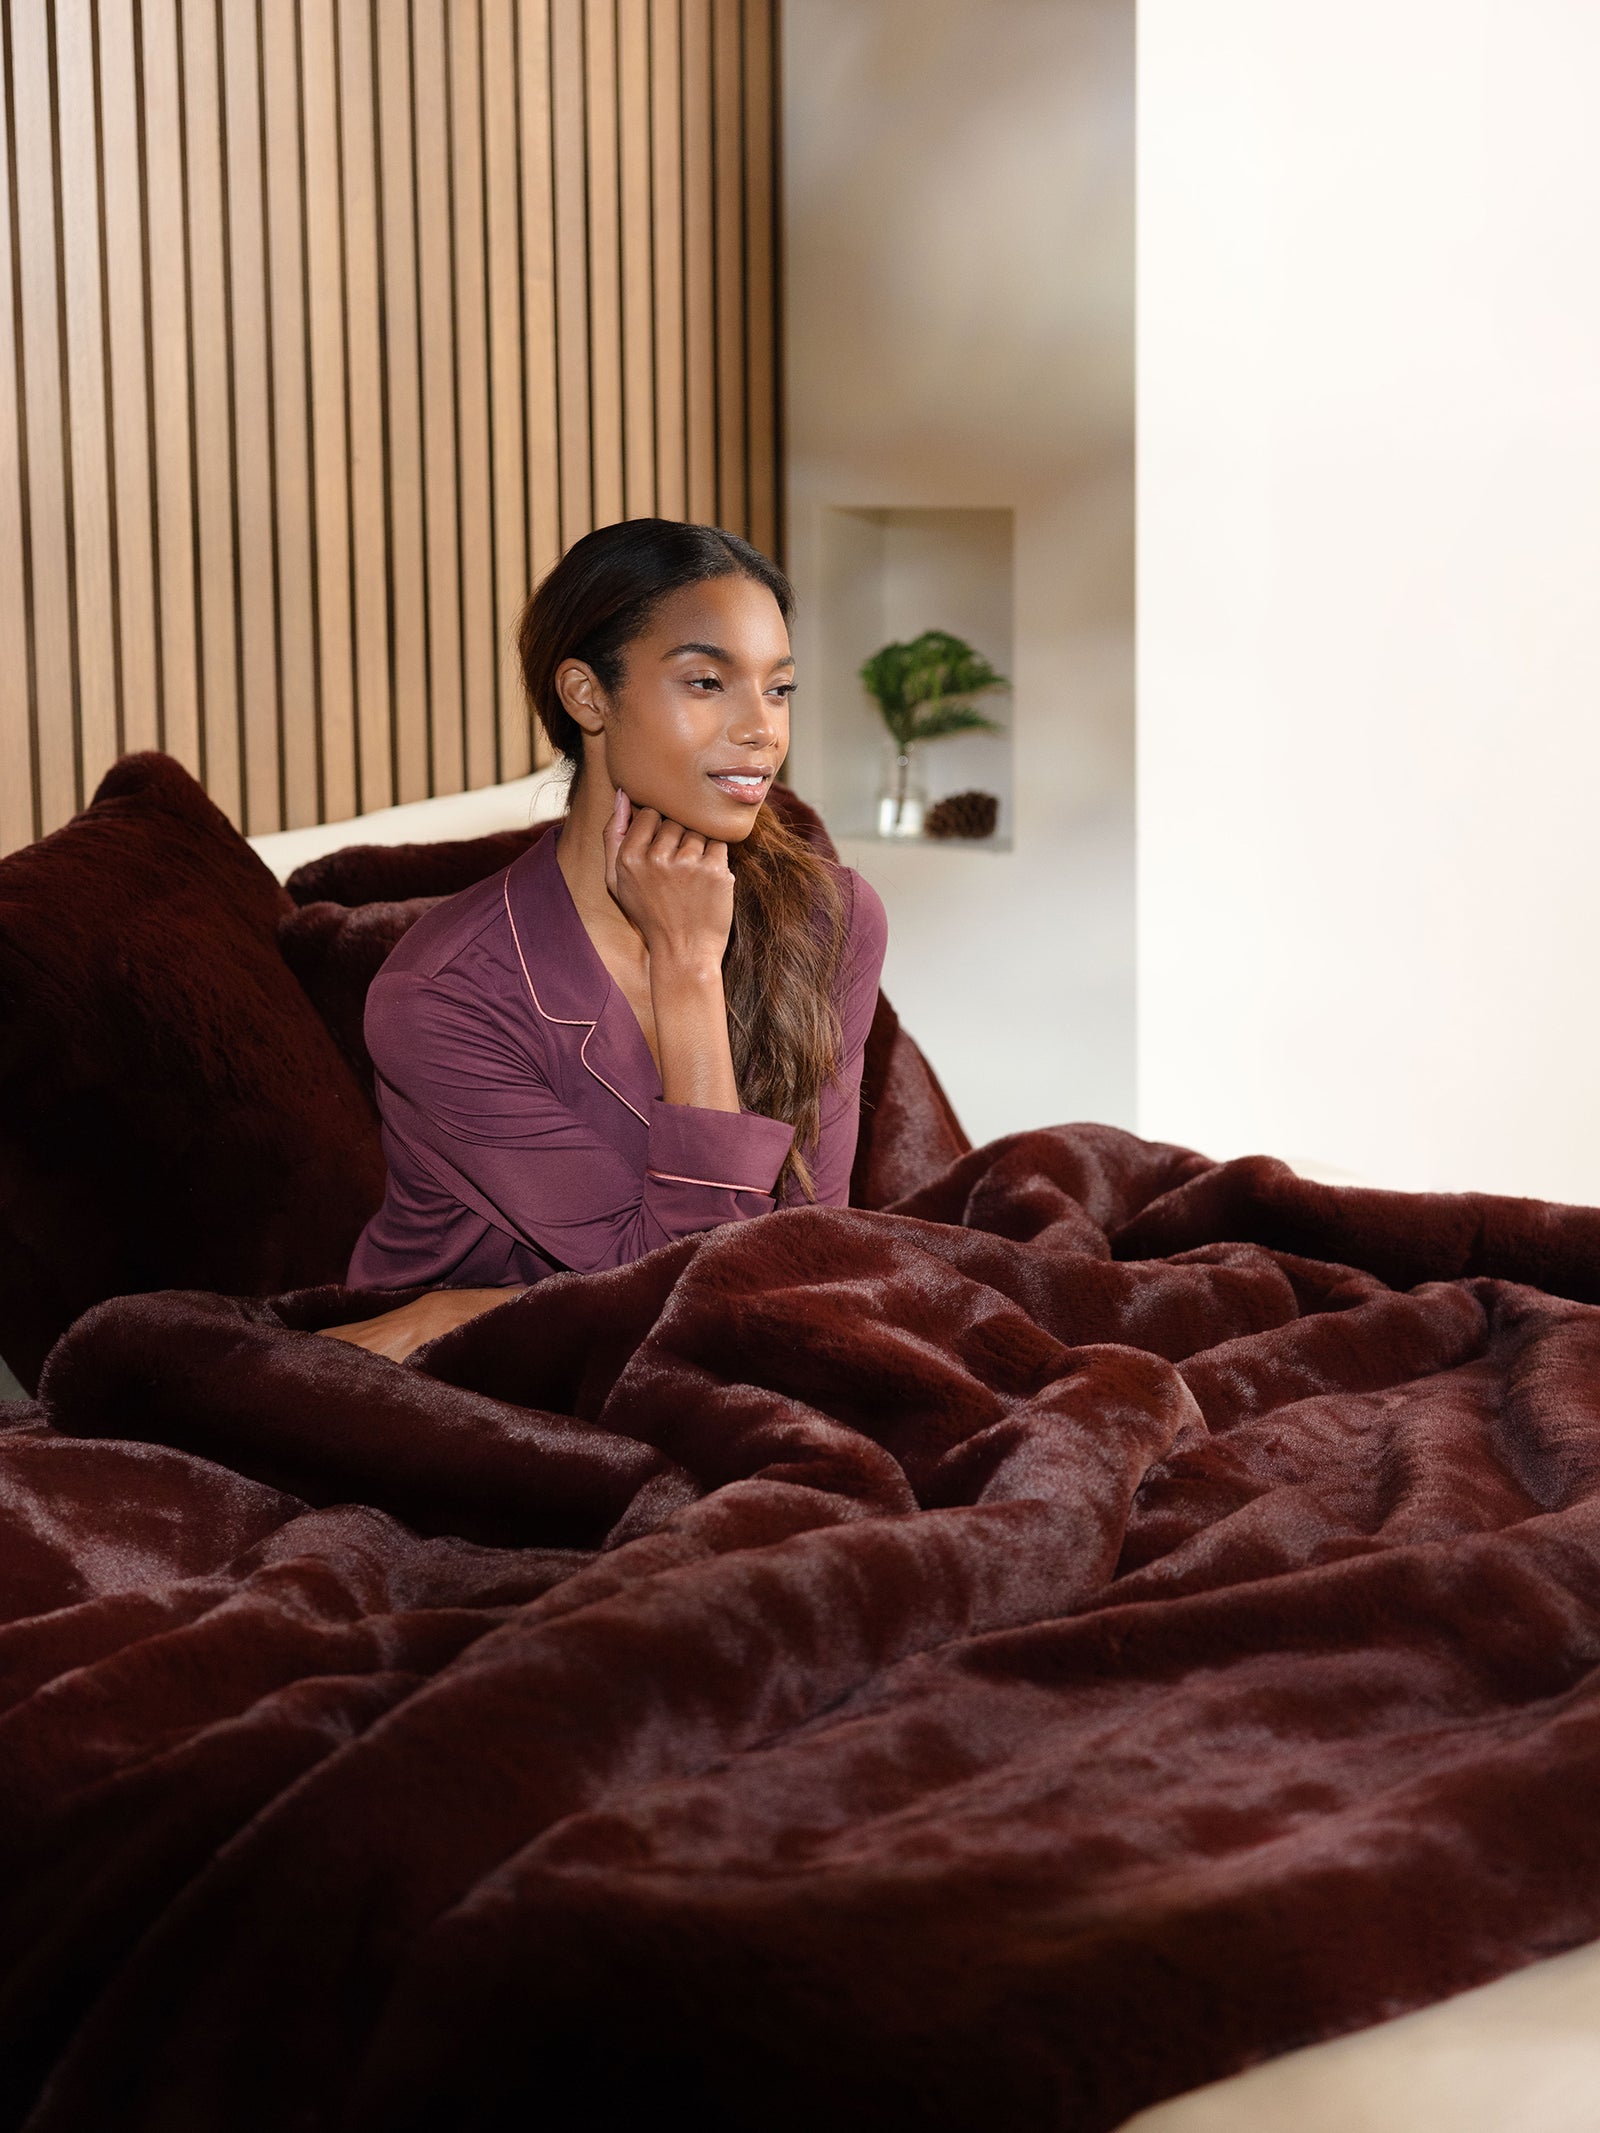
column 685, row 969
column 691, row 1018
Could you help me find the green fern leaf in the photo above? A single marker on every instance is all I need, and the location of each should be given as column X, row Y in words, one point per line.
column 917, row 686
column 933, row 722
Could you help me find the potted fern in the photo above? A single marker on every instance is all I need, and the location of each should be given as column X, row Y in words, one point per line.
column 923, row 691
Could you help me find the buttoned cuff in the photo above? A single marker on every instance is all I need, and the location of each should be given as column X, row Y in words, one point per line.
column 732, row 1151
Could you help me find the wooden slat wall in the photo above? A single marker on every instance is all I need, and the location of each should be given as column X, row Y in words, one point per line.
column 328, row 325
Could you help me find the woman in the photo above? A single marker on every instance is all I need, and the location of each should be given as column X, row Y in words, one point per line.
column 653, row 1021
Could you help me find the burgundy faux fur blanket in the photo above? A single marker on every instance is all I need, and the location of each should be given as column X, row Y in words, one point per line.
column 988, row 1664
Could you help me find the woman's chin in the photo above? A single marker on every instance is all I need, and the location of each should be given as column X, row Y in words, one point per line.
column 729, row 820
column 713, row 815
column 736, row 831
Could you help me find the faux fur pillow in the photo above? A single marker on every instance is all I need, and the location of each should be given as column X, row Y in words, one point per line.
column 909, row 1129
column 396, row 873
column 173, row 1113
column 336, row 952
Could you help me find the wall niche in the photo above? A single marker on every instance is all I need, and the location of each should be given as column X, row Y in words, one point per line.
column 888, row 574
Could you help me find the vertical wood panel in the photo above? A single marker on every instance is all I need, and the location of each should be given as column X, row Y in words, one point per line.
column 330, row 464
column 94, row 596
column 172, row 427
column 699, row 273
column 332, row 323
column 364, row 337
column 540, row 396
column 252, row 418
column 760, row 275
column 436, row 300
column 539, row 389
column 55, row 681
column 475, row 521
column 503, row 208
column 605, row 265
column 666, row 141
column 568, row 98
column 18, row 822
column 727, row 97
column 127, row 327
column 210, row 395
column 638, row 351
column 403, row 488
column 295, row 601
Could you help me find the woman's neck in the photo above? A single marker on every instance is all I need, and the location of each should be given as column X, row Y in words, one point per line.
column 580, row 854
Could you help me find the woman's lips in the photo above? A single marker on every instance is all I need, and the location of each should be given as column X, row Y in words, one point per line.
column 749, row 787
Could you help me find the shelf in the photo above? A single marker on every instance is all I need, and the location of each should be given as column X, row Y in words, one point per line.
column 888, row 574
column 996, row 843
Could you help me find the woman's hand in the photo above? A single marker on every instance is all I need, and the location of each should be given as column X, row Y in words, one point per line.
column 395, row 1333
column 673, row 883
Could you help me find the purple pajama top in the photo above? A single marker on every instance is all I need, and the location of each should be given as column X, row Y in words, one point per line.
column 523, row 1120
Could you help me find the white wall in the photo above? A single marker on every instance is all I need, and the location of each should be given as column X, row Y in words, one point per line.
column 1369, row 586
column 959, row 254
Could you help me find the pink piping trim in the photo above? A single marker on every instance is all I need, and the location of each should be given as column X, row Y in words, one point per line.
column 572, row 1021
column 670, row 1177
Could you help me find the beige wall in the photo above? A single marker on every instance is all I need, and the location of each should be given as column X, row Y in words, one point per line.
column 326, row 327
column 959, row 231
column 1369, row 886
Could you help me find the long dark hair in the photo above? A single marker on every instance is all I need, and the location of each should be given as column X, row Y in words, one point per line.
column 788, row 934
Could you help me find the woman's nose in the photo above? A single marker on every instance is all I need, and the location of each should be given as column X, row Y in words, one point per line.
column 755, row 722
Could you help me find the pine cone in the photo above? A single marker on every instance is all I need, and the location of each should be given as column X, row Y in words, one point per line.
column 962, row 814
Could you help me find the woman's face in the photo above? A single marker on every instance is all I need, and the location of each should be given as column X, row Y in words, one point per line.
column 700, row 721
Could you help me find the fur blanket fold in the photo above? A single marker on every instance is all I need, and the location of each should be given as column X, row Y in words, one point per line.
column 997, row 1661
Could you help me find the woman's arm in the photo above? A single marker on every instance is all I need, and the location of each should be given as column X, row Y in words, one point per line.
column 676, row 887
column 396, row 1333
column 673, row 1202
column 691, row 1016
column 470, row 1100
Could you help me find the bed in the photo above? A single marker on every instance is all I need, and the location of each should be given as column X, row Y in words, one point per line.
column 1085, row 1631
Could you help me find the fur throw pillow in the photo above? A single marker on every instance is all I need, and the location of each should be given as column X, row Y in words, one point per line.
column 173, row 1112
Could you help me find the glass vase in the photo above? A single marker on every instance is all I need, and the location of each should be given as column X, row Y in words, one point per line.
column 902, row 796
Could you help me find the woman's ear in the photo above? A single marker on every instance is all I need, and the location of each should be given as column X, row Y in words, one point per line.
column 582, row 697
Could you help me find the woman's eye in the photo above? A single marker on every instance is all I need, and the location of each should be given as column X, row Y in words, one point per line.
column 784, row 689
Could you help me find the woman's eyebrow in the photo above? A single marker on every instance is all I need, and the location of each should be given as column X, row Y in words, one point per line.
column 715, row 651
